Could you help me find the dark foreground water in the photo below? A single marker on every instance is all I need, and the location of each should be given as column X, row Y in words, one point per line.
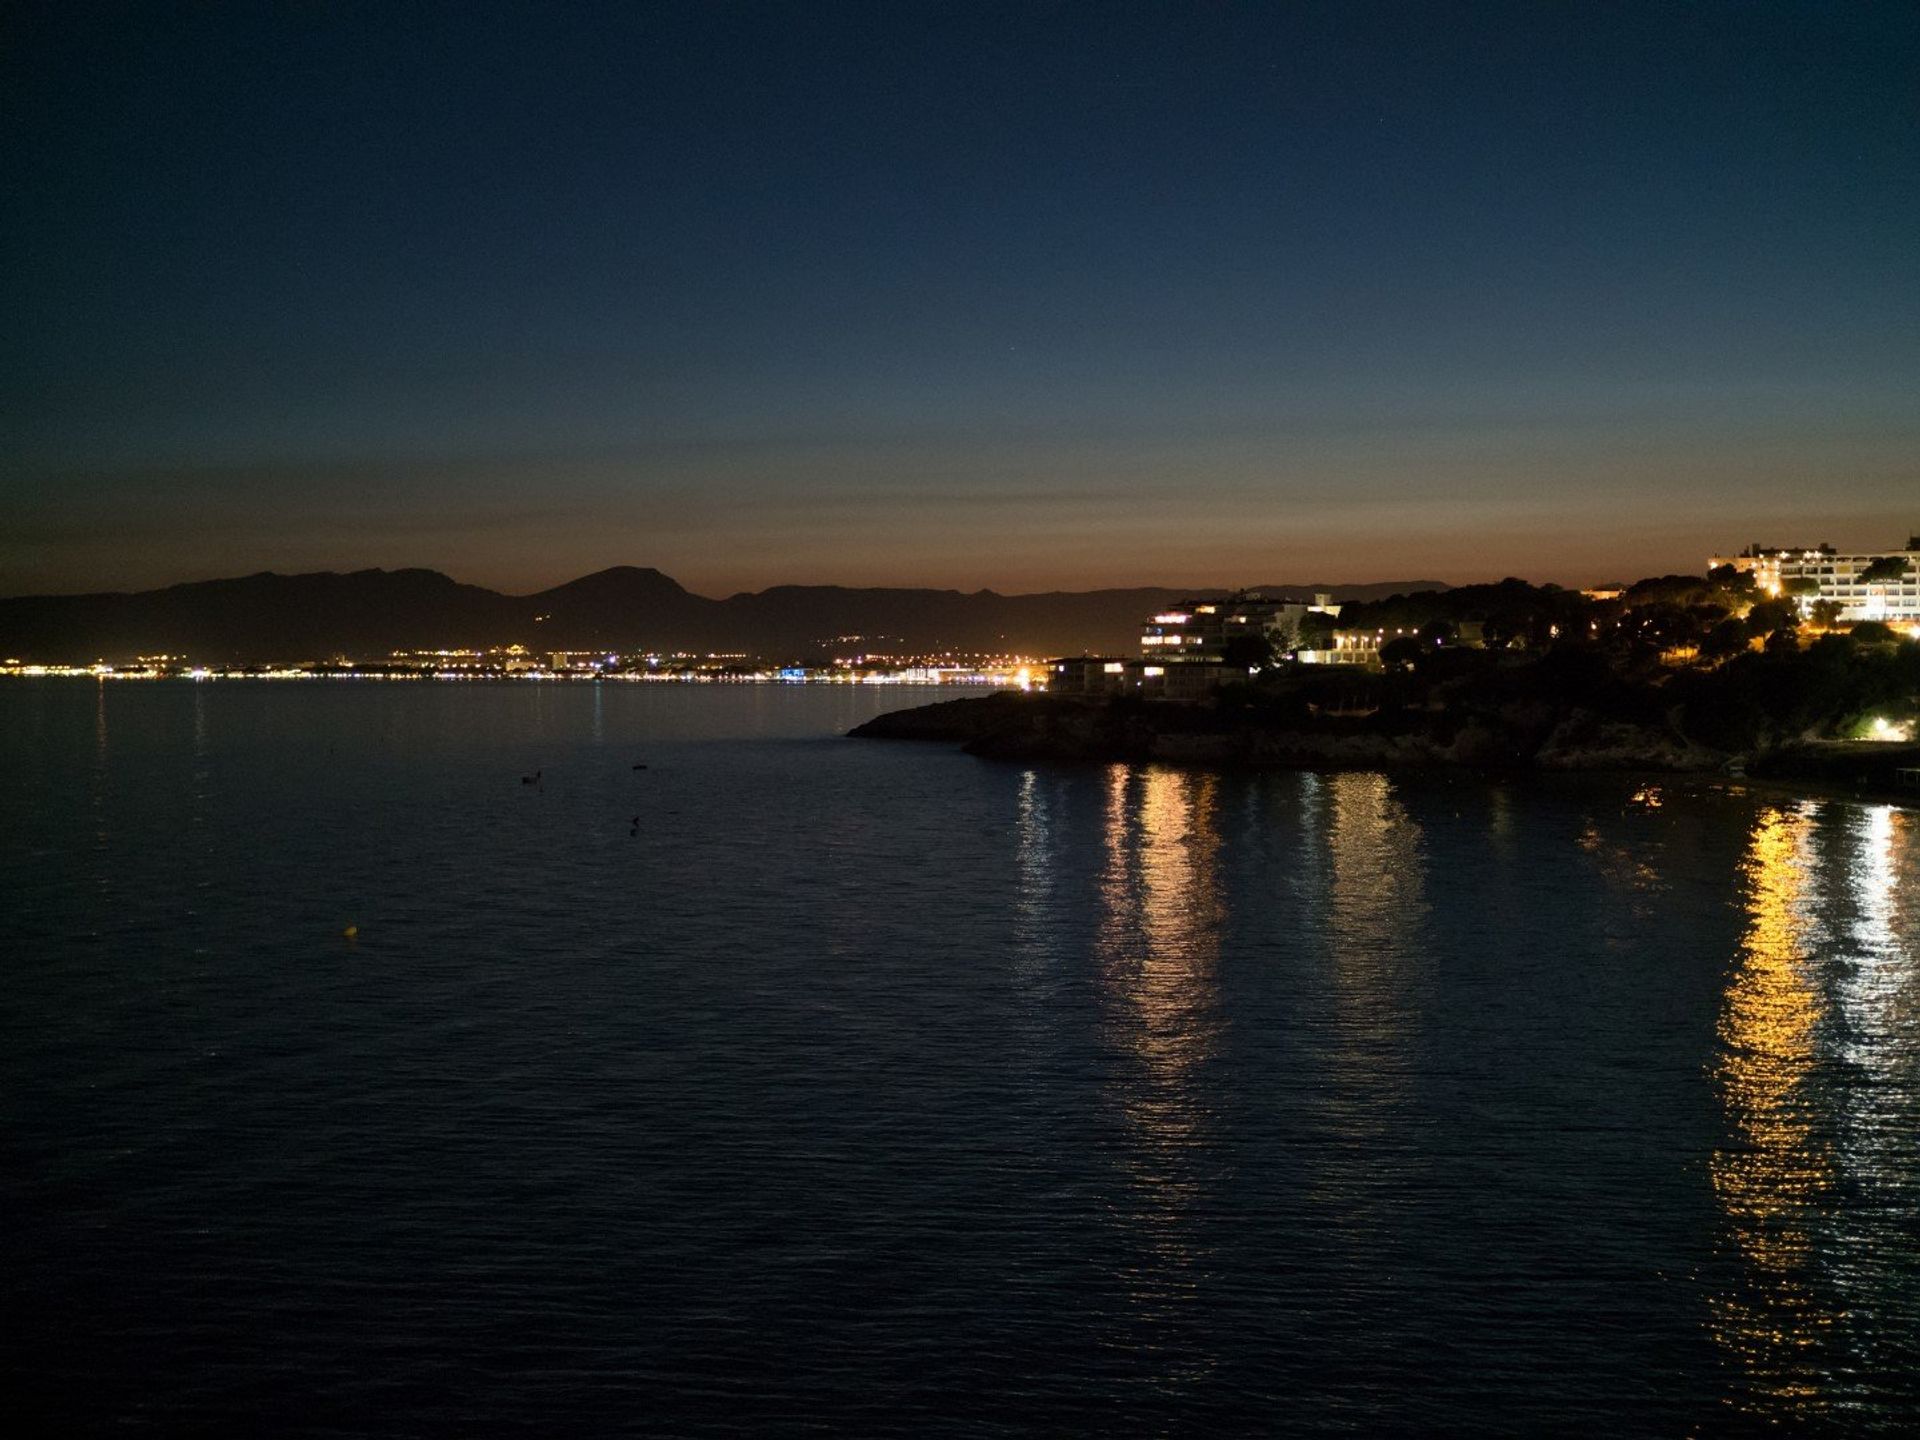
column 870, row 1088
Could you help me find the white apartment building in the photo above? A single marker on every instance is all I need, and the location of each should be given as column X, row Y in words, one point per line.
column 1837, row 577
column 1200, row 629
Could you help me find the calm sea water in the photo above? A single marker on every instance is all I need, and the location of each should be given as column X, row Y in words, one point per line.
column 870, row 1088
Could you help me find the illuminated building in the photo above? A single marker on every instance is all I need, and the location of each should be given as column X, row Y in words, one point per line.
column 1352, row 647
column 1190, row 679
column 1362, row 647
column 1200, row 629
column 1822, row 573
column 1093, row 675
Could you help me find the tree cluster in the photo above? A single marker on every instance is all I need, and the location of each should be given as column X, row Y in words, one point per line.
column 1708, row 659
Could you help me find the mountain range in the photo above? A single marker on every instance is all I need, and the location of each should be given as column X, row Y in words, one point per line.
column 368, row 613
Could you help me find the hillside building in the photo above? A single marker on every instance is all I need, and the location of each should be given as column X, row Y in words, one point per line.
column 1362, row 647
column 1096, row 675
column 1823, row 573
column 1201, row 629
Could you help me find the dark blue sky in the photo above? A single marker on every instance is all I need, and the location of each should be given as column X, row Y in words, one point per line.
column 1018, row 295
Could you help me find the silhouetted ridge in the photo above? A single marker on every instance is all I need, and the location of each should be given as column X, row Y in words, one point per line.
column 367, row 613
column 618, row 582
column 624, row 607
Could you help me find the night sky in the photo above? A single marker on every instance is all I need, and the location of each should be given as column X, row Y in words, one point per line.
column 1024, row 295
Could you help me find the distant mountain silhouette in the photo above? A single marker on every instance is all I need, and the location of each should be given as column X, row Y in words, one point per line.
column 617, row 608
column 368, row 613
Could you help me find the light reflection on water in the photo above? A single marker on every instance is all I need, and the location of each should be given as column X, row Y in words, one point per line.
column 864, row 1080
column 1160, row 939
column 1816, row 1076
column 1376, row 898
column 1875, row 1223
column 1375, row 903
column 1775, row 1177
column 1158, row 949
column 1034, row 843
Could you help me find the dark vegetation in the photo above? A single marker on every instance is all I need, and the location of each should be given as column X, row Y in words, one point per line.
column 1704, row 657
column 1680, row 672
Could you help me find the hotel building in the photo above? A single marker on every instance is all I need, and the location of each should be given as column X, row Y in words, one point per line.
column 1836, row 577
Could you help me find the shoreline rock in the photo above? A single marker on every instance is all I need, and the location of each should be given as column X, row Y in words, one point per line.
column 1009, row 726
column 1068, row 730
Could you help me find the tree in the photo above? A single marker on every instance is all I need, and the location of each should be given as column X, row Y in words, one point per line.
column 1400, row 652
column 1664, row 590
column 1729, row 637
column 1438, row 632
column 1316, row 630
column 1664, row 626
column 1500, row 631
column 1729, row 577
column 1800, row 585
column 1250, row 652
column 1825, row 613
column 1887, row 567
column 1771, row 615
column 1872, row 632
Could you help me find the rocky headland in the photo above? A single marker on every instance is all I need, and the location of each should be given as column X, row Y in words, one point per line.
column 1011, row 726
column 1678, row 675
column 1521, row 737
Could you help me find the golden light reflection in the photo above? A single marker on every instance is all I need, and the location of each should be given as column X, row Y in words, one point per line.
column 1773, row 1180
column 1159, row 944
column 1375, row 905
column 1377, row 888
column 1159, row 949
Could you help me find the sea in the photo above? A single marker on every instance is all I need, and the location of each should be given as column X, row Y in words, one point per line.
column 577, row 1059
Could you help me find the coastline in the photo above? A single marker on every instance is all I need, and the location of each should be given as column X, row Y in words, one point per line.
column 1069, row 730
